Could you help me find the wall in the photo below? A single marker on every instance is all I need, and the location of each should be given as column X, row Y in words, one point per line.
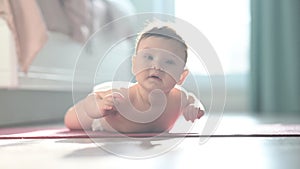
column 159, row 6
column 45, row 93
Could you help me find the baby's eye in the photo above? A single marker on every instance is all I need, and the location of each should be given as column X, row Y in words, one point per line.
column 149, row 57
column 171, row 62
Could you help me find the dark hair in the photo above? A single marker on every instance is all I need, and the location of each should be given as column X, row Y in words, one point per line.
column 163, row 32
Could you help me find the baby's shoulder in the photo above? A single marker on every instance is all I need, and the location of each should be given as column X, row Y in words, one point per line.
column 178, row 95
column 180, row 92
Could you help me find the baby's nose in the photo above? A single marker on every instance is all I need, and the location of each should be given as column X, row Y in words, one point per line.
column 157, row 66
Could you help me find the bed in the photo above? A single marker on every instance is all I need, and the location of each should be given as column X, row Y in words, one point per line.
column 45, row 80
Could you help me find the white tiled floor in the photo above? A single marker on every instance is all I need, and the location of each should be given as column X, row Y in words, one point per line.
column 110, row 153
column 220, row 152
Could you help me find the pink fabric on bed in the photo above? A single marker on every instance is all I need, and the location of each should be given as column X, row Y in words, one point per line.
column 73, row 18
column 26, row 23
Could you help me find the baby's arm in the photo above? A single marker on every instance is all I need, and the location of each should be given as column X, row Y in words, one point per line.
column 193, row 109
column 95, row 105
column 77, row 118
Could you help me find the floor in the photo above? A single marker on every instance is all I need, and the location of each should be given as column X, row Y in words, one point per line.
column 247, row 151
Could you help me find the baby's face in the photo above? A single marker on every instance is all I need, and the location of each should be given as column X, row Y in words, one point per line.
column 159, row 62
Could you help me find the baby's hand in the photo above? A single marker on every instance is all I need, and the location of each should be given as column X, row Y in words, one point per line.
column 107, row 104
column 192, row 112
column 99, row 107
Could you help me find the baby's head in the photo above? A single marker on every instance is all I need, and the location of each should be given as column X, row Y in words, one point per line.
column 160, row 55
column 165, row 32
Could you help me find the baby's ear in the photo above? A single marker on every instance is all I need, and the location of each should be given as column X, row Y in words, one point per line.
column 183, row 76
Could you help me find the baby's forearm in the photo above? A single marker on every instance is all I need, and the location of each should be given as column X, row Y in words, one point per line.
column 194, row 109
column 77, row 118
column 192, row 100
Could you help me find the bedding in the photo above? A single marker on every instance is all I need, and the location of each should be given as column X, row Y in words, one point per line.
column 76, row 19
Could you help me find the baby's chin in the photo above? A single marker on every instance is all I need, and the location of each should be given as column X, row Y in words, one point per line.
column 159, row 89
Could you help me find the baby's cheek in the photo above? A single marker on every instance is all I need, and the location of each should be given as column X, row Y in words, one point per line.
column 174, row 73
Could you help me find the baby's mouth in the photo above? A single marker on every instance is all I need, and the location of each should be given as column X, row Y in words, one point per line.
column 154, row 77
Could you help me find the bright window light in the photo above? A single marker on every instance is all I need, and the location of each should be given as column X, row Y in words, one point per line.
column 226, row 24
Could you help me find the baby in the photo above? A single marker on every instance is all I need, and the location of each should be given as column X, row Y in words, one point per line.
column 154, row 102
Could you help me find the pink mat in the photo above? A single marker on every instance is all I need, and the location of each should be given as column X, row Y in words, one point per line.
column 48, row 133
column 61, row 132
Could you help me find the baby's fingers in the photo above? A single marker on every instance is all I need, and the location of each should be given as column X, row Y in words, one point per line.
column 192, row 113
column 117, row 95
column 188, row 113
column 106, row 104
column 200, row 114
column 111, row 100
